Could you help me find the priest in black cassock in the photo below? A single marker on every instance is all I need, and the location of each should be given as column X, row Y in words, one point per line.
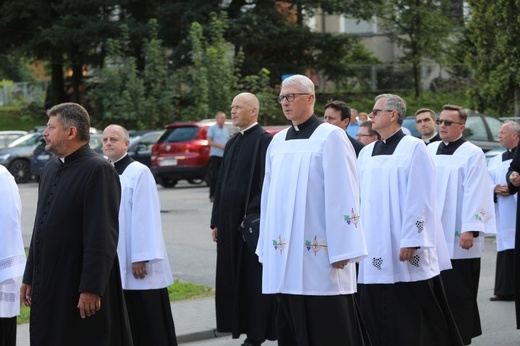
column 240, row 305
column 513, row 183
column 72, row 281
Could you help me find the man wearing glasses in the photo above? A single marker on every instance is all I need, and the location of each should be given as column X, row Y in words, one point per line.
column 310, row 235
column 400, row 291
column 366, row 134
column 465, row 203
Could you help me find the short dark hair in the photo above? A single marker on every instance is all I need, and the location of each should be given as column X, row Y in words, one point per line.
column 463, row 115
column 426, row 110
column 339, row 106
column 368, row 125
column 73, row 114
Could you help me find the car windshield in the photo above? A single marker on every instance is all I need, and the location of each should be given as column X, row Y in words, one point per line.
column 29, row 139
column 181, row 134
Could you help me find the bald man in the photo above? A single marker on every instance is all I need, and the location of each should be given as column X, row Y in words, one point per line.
column 240, row 306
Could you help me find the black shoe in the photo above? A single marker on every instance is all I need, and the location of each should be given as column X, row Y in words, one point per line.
column 251, row 343
column 502, row 298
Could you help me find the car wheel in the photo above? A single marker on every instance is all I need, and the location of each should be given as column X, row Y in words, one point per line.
column 21, row 171
column 168, row 182
column 195, row 181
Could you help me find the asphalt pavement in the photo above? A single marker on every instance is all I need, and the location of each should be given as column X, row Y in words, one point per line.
column 186, row 211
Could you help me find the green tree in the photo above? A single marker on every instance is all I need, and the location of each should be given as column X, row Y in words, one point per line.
column 212, row 78
column 422, row 29
column 122, row 94
column 66, row 33
column 494, row 55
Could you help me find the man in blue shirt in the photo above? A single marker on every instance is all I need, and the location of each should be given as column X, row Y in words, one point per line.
column 217, row 136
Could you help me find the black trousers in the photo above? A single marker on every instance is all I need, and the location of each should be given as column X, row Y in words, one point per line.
column 213, row 170
column 505, row 273
column 461, row 286
column 8, row 331
column 150, row 315
column 319, row 321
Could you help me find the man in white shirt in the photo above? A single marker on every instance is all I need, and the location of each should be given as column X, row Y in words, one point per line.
column 217, row 137
column 145, row 268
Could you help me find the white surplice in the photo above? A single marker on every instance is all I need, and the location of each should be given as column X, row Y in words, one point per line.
column 464, row 197
column 140, row 235
column 505, row 207
column 398, row 210
column 12, row 253
column 310, row 215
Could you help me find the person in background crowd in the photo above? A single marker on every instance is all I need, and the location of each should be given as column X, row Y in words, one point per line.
column 338, row 113
column 505, row 206
column 425, row 122
column 217, row 137
column 362, row 117
column 353, row 127
column 366, row 135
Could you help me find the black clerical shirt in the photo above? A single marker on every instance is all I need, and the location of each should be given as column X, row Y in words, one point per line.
column 305, row 129
column 387, row 147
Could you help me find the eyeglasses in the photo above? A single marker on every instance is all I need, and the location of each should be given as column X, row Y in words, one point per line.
column 289, row 97
column 375, row 111
column 363, row 135
column 447, row 122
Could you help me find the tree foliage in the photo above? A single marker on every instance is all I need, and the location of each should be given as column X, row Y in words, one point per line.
column 494, row 55
column 135, row 99
column 421, row 28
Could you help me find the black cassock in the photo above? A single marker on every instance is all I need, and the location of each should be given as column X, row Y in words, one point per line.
column 73, row 250
column 240, row 305
column 515, row 166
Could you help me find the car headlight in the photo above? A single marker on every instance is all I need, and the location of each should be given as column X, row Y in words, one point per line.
column 4, row 157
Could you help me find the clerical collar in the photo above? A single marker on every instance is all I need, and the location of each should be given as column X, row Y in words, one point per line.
column 427, row 140
column 75, row 155
column 508, row 154
column 392, row 135
column 451, row 147
column 388, row 146
column 121, row 164
column 304, row 130
column 247, row 128
column 119, row 159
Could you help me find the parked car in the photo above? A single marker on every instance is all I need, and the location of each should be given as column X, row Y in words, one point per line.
column 40, row 156
column 481, row 130
column 274, row 129
column 140, row 148
column 182, row 152
column 17, row 156
column 7, row 137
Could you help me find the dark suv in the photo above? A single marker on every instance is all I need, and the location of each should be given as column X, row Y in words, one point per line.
column 182, row 152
